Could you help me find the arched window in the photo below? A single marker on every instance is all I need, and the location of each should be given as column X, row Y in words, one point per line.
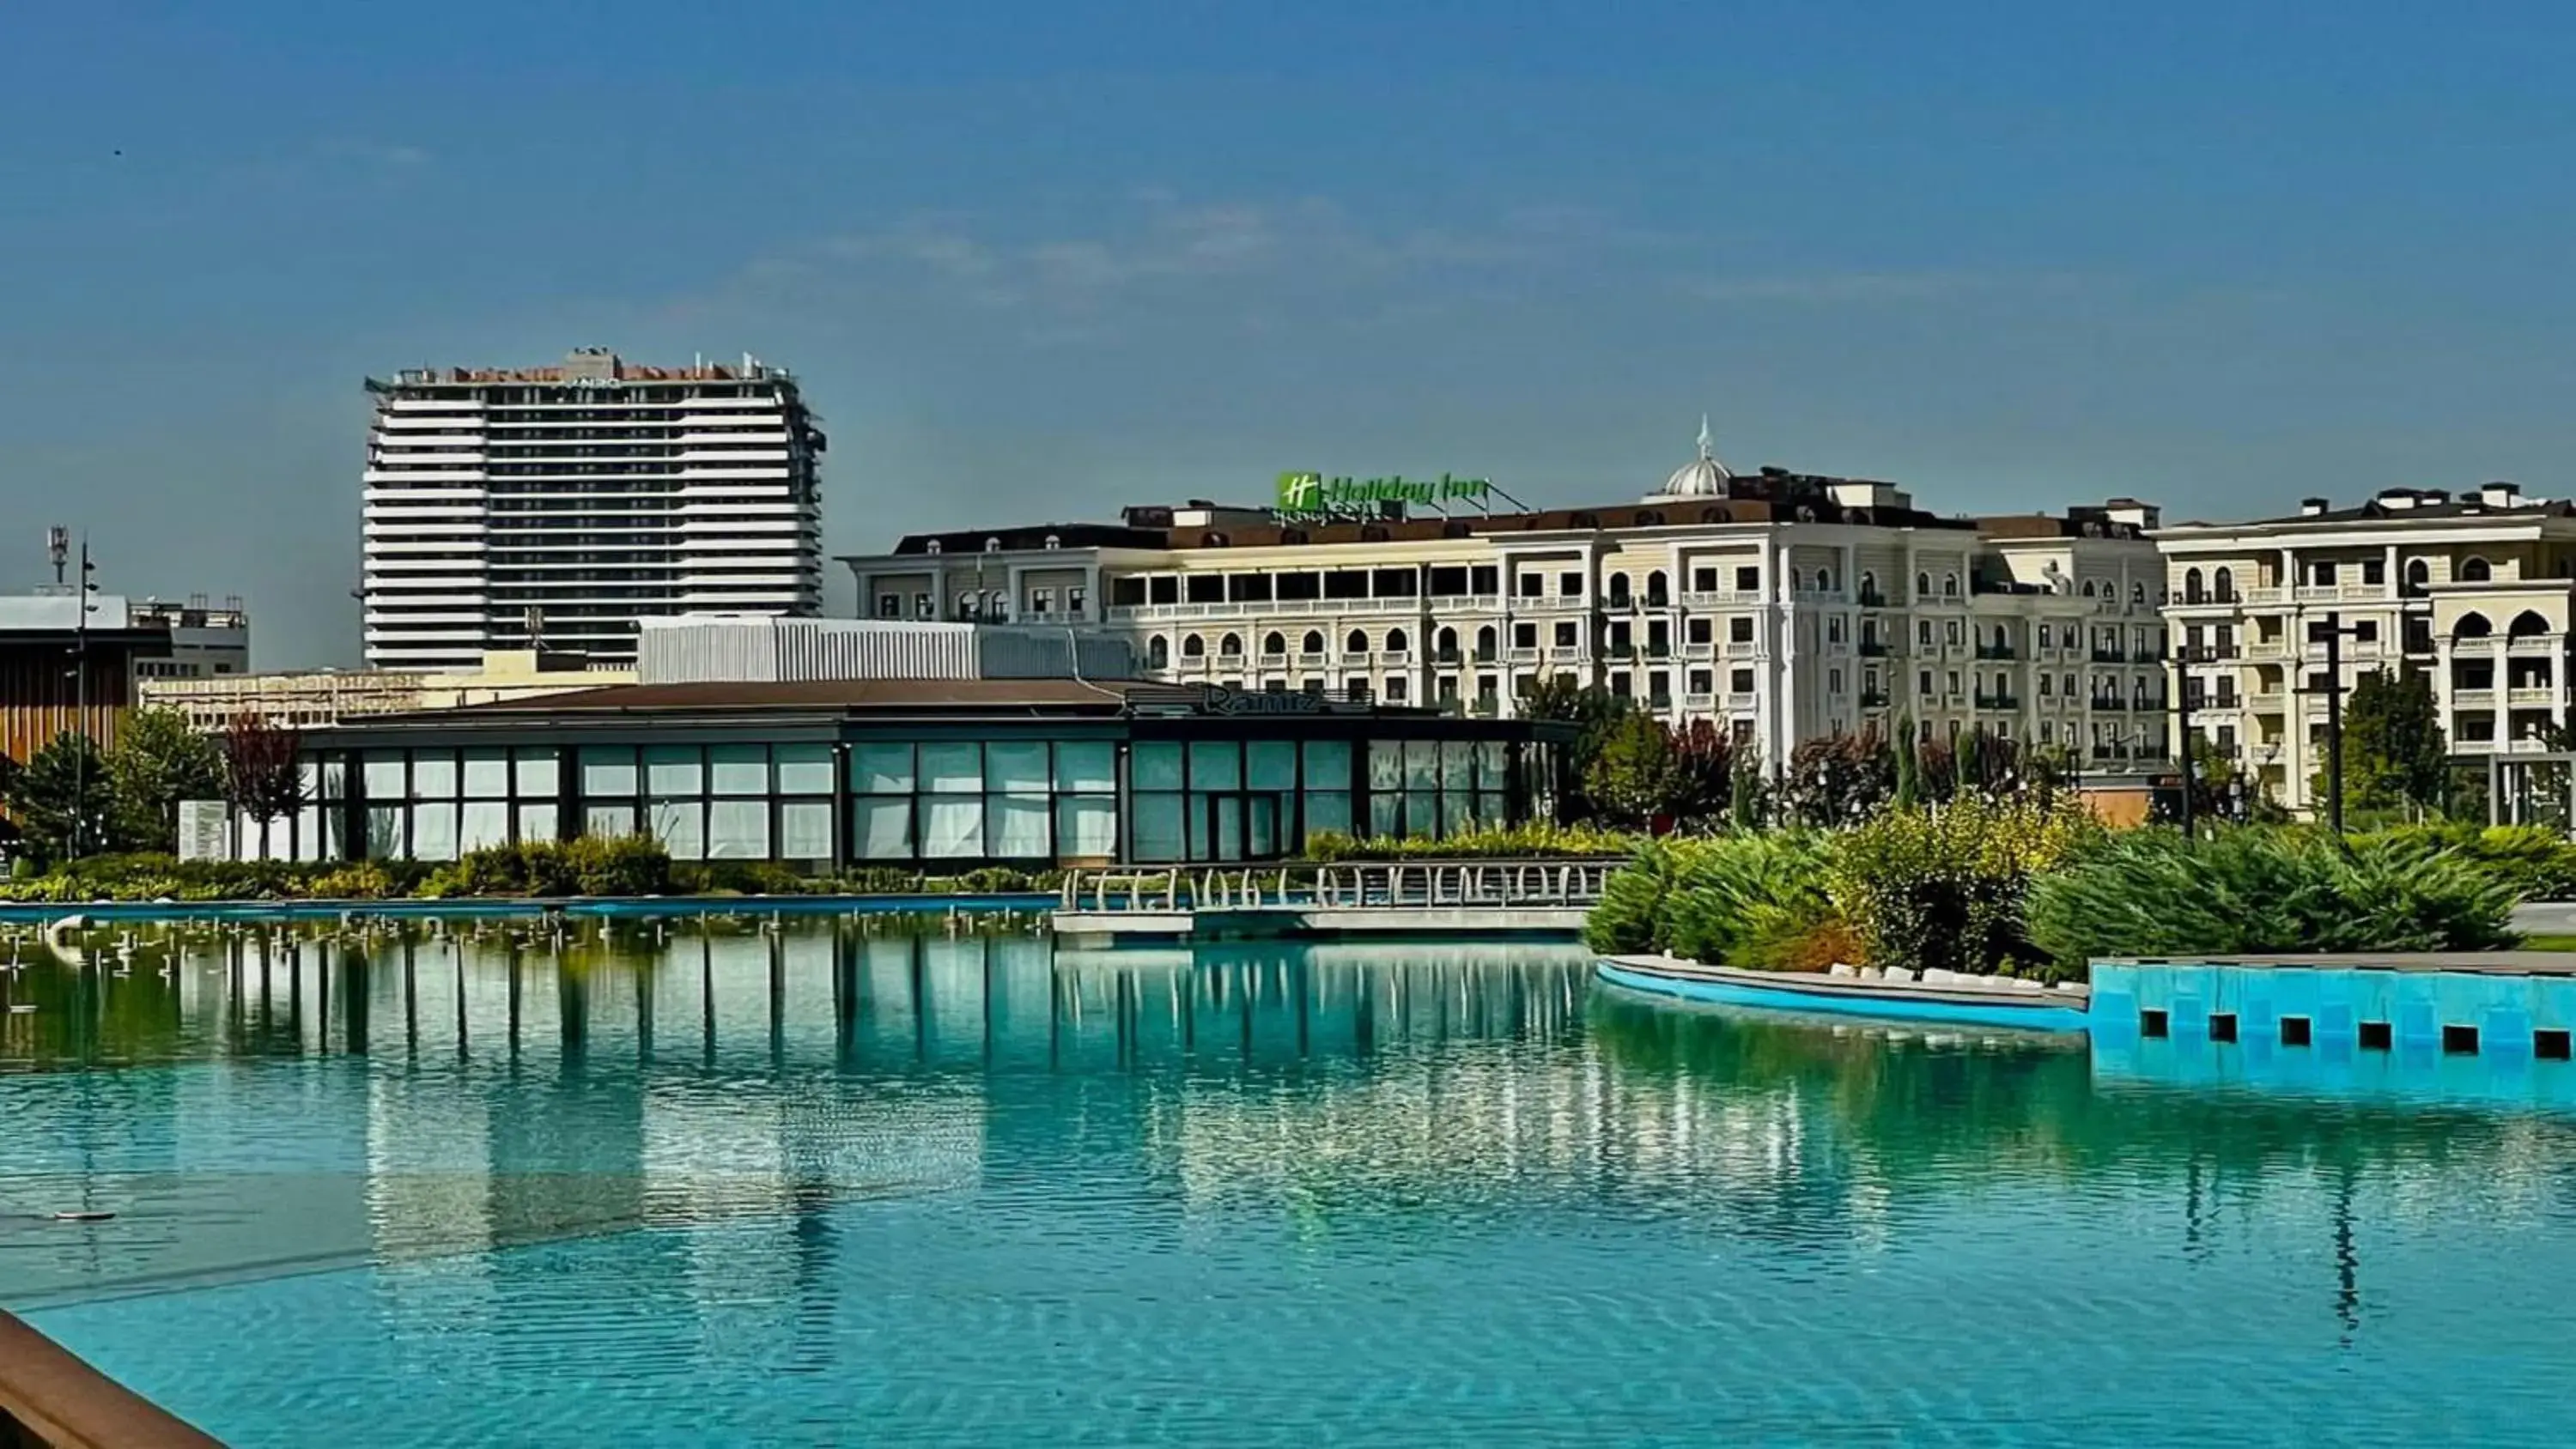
column 1231, row 646
column 2527, row 625
column 1868, row 586
column 1193, row 647
column 1485, row 638
column 969, row 604
column 992, row 545
column 1658, row 589
column 1356, row 644
column 1949, row 586
column 1314, row 643
column 1824, row 581
column 1446, row 642
column 1158, row 653
column 2137, row 593
column 2222, row 586
column 1618, row 590
column 2419, row 575
column 2088, row 588
column 2474, row 570
column 1922, row 586
column 1054, row 541
column 1395, row 641
column 997, row 605
column 1274, row 643
column 2191, row 586
column 2472, row 626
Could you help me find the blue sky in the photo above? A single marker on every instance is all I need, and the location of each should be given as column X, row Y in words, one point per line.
column 1034, row 261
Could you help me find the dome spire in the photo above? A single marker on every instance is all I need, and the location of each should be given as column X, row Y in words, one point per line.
column 1703, row 476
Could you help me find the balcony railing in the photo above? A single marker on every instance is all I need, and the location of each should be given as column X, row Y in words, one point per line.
column 1698, row 702
column 1997, row 701
column 2109, row 701
column 2544, row 697
column 2473, row 698
column 1873, row 699
column 1876, row 649
column 1721, row 599
column 1996, row 651
column 2109, row 656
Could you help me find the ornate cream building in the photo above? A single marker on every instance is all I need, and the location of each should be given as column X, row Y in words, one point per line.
column 2473, row 589
column 1782, row 606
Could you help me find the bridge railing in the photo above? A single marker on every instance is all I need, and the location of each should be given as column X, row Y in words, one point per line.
column 1340, row 885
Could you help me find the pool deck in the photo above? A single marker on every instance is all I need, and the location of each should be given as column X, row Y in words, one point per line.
column 1295, row 921
column 2468, row 963
column 50, row 1396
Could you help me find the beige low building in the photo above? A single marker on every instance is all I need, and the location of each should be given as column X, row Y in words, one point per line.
column 303, row 699
column 1781, row 606
column 2473, row 590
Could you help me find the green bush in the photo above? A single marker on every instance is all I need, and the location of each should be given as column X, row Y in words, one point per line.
column 2539, row 864
column 1745, row 900
column 1946, row 888
column 1531, row 840
column 2262, row 891
column 1630, row 915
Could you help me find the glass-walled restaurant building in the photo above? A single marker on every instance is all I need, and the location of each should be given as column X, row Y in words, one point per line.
column 935, row 775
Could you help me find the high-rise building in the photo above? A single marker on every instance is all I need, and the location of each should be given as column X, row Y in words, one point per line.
column 1779, row 606
column 552, row 507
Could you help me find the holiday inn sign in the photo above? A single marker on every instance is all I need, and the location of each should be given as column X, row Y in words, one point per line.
column 1316, row 493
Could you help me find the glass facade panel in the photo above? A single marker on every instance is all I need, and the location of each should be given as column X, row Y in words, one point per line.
column 335, row 780
column 674, row 770
column 1016, row 767
column 1422, row 813
column 738, row 829
column 539, row 774
column 881, row 827
column 1328, row 810
column 951, row 828
column 1015, row 826
column 538, row 822
column 382, row 774
column 433, row 775
column 1086, row 767
column 1386, row 814
column 1457, row 765
column 1086, row 826
column 384, row 829
column 681, row 827
column 881, row 768
column 951, row 767
column 805, row 770
column 1328, row 764
column 1270, row 764
column 608, row 771
column 1154, row 765
column 433, row 831
column 805, row 826
column 1156, row 834
column 1493, row 759
column 487, row 774
column 738, row 769
column 1457, row 813
column 1385, row 765
column 1216, row 765
column 1422, row 764
column 608, row 822
column 485, row 823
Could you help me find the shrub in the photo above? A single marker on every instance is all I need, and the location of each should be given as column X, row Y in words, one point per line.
column 1629, row 915
column 2260, row 891
column 1744, row 900
column 1946, row 888
column 2539, row 864
column 1532, row 839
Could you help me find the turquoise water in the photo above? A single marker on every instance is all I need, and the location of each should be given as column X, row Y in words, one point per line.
column 837, row 1185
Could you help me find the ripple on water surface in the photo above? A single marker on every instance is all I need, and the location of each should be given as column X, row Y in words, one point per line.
column 847, row 1185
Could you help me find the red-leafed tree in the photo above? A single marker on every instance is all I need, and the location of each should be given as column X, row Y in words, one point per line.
column 263, row 778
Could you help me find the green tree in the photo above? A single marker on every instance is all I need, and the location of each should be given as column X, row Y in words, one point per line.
column 1636, row 775
column 63, row 799
column 2393, row 750
column 263, row 777
column 159, row 761
column 1909, row 787
column 1594, row 712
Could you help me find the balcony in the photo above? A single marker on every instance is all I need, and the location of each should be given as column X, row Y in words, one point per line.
column 2267, row 649
column 1699, row 703
column 1274, row 661
column 2543, row 697
column 2146, row 656
column 1873, row 599
column 1485, row 707
column 1997, row 651
column 1315, row 660
column 1447, row 658
column 2535, row 644
column 1552, row 604
column 2109, row 656
column 1394, row 658
column 2212, row 653
column 1739, row 702
column 1722, row 599
column 2109, row 701
column 2266, row 598
column 2473, row 699
column 1526, row 654
column 1702, row 650
column 1743, row 649
column 1873, row 699
column 1876, row 649
column 1998, row 701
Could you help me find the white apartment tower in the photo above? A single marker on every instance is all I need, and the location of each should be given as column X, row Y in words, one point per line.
column 552, row 507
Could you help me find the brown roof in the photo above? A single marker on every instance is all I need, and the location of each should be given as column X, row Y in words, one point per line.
column 823, row 694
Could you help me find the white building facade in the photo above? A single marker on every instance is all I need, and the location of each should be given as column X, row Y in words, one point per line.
column 1781, row 607
column 553, row 507
column 2472, row 591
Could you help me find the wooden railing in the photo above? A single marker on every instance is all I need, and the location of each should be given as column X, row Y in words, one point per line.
column 1343, row 885
column 50, row 1398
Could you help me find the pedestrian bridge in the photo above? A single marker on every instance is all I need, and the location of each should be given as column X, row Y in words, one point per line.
column 1404, row 897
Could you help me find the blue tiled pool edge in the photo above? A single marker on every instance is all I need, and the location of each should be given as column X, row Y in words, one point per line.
column 611, row 906
column 2334, row 999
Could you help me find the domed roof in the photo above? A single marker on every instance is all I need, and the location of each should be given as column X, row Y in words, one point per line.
column 1701, row 477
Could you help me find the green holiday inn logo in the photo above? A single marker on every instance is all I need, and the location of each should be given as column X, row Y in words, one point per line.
column 1316, row 493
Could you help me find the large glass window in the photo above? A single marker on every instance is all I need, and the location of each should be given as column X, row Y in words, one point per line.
column 1216, row 765
column 613, row 822
column 674, row 770
column 739, row 770
column 681, row 827
column 539, row 774
column 1271, row 764
column 1015, row 826
column 1154, row 765
column 485, row 823
column 805, row 826
column 952, row 827
column 880, row 768
column 607, row 772
column 950, row 768
column 738, row 829
column 487, row 774
column 882, row 827
column 433, row 776
column 805, row 770
column 382, row 774
column 1156, row 834
column 1086, row 826
column 433, row 830
column 1086, row 767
